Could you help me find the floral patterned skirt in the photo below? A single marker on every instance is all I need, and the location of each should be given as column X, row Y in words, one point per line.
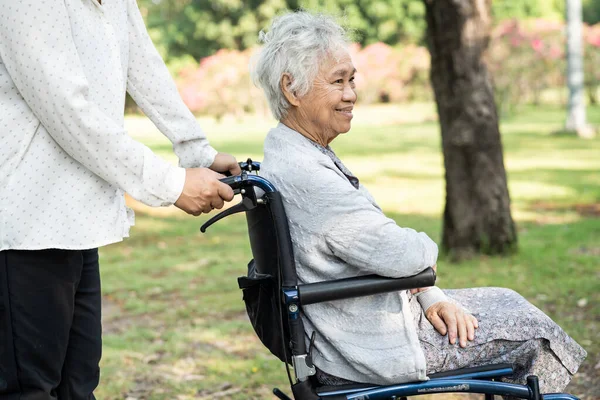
column 511, row 330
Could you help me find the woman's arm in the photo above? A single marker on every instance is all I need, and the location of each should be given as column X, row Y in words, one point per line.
column 357, row 232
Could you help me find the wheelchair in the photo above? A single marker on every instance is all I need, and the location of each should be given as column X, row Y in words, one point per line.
column 274, row 301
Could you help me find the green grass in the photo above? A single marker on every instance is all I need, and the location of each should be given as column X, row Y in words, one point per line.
column 175, row 326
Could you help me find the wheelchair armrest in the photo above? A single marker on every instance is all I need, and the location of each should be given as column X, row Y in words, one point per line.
column 361, row 286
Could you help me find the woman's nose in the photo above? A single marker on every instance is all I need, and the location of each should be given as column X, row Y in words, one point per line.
column 349, row 94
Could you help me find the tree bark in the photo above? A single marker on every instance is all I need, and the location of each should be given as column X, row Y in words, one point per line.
column 477, row 216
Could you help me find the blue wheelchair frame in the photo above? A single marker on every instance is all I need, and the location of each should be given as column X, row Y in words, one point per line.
column 483, row 380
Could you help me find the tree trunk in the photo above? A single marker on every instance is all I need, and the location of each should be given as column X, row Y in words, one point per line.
column 477, row 216
column 576, row 119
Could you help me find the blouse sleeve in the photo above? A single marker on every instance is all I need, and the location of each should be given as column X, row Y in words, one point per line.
column 37, row 48
column 151, row 86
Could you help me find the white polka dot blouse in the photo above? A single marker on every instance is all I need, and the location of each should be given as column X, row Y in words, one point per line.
column 65, row 157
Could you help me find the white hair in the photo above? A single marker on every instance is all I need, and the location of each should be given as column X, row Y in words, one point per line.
column 296, row 43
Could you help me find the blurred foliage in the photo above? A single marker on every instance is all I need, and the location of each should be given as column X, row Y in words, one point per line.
column 591, row 61
column 387, row 21
column 526, row 59
column 200, row 28
column 389, row 74
column 193, row 29
column 220, row 84
column 509, row 9
column 591, row 11
column 547, row 9
column 208, row 46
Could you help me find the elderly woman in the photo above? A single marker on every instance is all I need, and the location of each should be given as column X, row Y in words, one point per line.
column 338, row 231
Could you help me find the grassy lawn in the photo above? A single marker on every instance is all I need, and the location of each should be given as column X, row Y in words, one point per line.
column 174, row 323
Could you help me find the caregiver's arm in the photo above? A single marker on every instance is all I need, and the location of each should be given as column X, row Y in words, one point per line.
column 151, row 86
column 44, row 65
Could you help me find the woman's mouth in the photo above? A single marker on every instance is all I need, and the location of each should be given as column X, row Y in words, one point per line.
column 346, row 112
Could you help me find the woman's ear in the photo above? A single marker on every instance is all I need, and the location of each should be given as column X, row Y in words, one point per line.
column 286, row 83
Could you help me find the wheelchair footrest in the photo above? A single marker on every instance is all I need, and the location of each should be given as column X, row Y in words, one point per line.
column 482, row 372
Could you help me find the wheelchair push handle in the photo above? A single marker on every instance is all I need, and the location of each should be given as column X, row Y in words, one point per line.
column 235, row 182
column 239, row 184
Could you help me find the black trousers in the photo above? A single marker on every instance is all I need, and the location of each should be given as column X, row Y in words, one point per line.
column 50, row 329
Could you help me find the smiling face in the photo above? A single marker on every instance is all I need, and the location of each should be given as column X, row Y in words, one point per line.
column 326, row 110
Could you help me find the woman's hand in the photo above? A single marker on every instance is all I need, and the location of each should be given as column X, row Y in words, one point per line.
column 450, row 318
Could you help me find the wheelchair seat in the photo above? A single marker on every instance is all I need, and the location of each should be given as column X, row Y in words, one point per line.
column 274, row 301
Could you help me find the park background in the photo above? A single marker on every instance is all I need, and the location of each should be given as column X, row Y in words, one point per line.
column 174, row 323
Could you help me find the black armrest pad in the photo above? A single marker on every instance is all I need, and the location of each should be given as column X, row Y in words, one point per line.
column 362, row 286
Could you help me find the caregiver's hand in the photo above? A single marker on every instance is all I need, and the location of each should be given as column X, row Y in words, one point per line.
column 226, row 163
column 202, row 191
column 449, row 318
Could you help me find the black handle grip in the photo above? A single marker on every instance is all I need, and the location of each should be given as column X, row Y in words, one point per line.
column 362, row 286
column 232, row 181
column 236, row 182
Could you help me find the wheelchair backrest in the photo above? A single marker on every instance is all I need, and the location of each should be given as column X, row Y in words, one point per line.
column 272, row 269
column 270, row 240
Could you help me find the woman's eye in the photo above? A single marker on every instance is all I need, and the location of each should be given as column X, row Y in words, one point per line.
column 339, row 81
column 352, row 79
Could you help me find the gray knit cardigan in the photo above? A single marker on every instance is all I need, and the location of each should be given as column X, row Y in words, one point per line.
column 338, row 231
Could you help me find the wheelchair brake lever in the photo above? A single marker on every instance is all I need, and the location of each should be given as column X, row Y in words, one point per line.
column 246, row 204
column 280, row 394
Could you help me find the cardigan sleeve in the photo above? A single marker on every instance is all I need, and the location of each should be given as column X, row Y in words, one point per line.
column 429, row 297
column 357, row 232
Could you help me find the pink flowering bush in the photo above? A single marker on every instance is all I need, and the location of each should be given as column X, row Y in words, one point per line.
column 221, row 85
column 391, row 74
column 526, row 59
